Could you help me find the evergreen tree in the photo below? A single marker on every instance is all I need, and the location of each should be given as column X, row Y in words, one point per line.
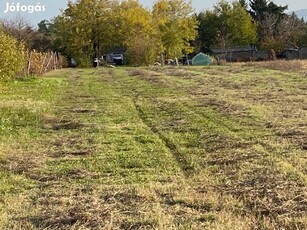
column 267, row 15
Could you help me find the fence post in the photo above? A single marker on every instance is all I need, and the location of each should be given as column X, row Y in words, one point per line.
column 55, row 61
column 46, row 68
column 42, row 67
column 29, row 63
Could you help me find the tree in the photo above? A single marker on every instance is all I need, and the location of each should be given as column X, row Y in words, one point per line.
column 43, row 39
column 209, row 24
column 177, row 25
column 138, row 33
column 289, row 32
column 276, row 30
column 33, row 39
column 267, row 15
column 302, row 40
column 259, row 8
column 227, row 25
column 243, row 3
column 83, row 29
column 20, row 29
column 12, row 56
column 87, row 28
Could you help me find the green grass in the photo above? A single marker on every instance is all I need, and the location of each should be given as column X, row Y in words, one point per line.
column 220, row 147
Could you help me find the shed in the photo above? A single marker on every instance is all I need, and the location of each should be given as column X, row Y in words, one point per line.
column 202, row 59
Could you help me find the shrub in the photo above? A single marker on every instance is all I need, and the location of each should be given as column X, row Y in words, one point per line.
column 12, row 56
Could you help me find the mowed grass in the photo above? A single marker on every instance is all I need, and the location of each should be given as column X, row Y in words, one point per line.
column 221, row 147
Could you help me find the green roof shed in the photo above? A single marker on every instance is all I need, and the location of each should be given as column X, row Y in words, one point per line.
column 202, row 59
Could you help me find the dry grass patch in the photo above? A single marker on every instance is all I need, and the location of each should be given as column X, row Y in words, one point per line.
column 282, row 65
column 57, row 124
column 267, row 193
column 18, row 164
column 91, row 207
column 71, row 146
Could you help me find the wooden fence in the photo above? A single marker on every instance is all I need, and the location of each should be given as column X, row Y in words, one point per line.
column 40, row 63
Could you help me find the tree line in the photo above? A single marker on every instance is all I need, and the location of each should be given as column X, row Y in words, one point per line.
column 169, row 30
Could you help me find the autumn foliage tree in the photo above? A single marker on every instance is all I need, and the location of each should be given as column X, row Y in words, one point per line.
column 12, row 56
column 90, row 28
column 177, row 25
column 137, row 32
column 87, row 29
column 83, row 29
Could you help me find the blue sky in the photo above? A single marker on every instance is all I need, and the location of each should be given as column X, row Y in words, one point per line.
column 47, row 9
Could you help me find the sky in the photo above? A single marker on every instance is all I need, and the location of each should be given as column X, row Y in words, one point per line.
column 36, row 10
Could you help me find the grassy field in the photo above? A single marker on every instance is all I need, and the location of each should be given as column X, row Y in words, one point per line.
column 221, row 147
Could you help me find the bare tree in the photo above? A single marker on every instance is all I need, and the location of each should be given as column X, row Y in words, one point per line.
column 268, row 24
column 19, row 28
column 290, row 29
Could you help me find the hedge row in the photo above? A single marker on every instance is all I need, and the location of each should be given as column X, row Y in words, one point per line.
column 12, row 56
column 14, row 60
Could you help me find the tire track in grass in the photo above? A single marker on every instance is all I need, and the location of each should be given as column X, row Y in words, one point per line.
column 73, row 191
column 180, row 158
column 194, row 208
column 264, row 186
column 187, row 206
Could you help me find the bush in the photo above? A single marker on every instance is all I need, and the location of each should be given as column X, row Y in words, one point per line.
column 12, row 56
